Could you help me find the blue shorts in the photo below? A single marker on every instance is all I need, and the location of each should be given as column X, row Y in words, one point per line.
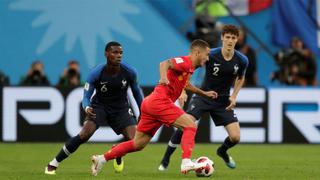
column 117, row 119
column 216, row 107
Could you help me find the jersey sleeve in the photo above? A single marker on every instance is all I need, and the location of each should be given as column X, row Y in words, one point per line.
column 243, row 65
column 180, row 64
column 214, row 51
column 136, row 90
column 89, row 86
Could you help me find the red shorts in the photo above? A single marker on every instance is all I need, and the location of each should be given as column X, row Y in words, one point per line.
column 156, row 111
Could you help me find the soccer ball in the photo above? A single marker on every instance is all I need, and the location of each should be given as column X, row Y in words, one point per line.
column 207, row 170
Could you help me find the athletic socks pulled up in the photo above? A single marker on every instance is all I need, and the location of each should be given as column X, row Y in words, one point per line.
column 120, row 150
column 187, row 142
column 70, row 147
column 226, row 145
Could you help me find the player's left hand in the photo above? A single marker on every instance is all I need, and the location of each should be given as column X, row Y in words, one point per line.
column 232, row 103
column 211, row 94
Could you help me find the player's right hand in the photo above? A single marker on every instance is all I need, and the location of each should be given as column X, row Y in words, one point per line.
column 232, row 103
column 164, row 81
column 183, row 99
column 90, row 112
column 211, row 94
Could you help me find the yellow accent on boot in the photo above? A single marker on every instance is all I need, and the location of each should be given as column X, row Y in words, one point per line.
column 118, row 168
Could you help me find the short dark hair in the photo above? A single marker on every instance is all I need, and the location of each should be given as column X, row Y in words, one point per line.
column 229, row 28
column 73, row 62
column 112, row 43
column 199, row 43
column 34, row 63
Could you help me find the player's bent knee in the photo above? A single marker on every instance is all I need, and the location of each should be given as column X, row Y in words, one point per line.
column 128, row 136
column 84, row 137
column 191, row 124
column 87, row 130
column 192, row 118
column 131, row 135
column 139, row 146
column 235, row 138
column 129, row 132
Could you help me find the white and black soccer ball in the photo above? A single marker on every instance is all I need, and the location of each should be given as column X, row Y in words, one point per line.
column 207, row 170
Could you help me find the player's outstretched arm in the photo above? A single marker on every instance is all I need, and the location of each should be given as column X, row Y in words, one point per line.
column 210, row 94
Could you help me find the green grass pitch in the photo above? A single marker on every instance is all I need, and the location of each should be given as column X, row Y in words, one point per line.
column 27, row 161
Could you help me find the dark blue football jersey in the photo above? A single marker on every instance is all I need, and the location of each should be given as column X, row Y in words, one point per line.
column 111, row 90
column 221, row 74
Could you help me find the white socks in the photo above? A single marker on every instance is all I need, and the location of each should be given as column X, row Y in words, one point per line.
column 54, row 163
column 101, row 158
column 186, row 161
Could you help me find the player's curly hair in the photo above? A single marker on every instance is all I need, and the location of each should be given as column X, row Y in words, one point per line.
column 231, row 29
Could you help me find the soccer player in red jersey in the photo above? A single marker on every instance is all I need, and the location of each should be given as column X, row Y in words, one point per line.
column 158, row 109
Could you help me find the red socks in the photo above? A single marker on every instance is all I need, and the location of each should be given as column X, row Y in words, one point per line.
column 187, row 141
column 187, row 144
column 120, row 150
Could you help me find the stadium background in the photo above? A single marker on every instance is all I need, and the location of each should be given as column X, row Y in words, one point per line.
column 150, row 31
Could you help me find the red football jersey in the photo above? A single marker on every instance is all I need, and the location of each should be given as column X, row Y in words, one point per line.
column 177, row 77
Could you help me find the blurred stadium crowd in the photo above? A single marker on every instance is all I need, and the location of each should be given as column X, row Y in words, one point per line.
column 297, row 64
column 36, row 76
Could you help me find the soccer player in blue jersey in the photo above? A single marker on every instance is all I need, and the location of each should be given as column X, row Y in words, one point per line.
column 226, row 67
column 110, row 103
